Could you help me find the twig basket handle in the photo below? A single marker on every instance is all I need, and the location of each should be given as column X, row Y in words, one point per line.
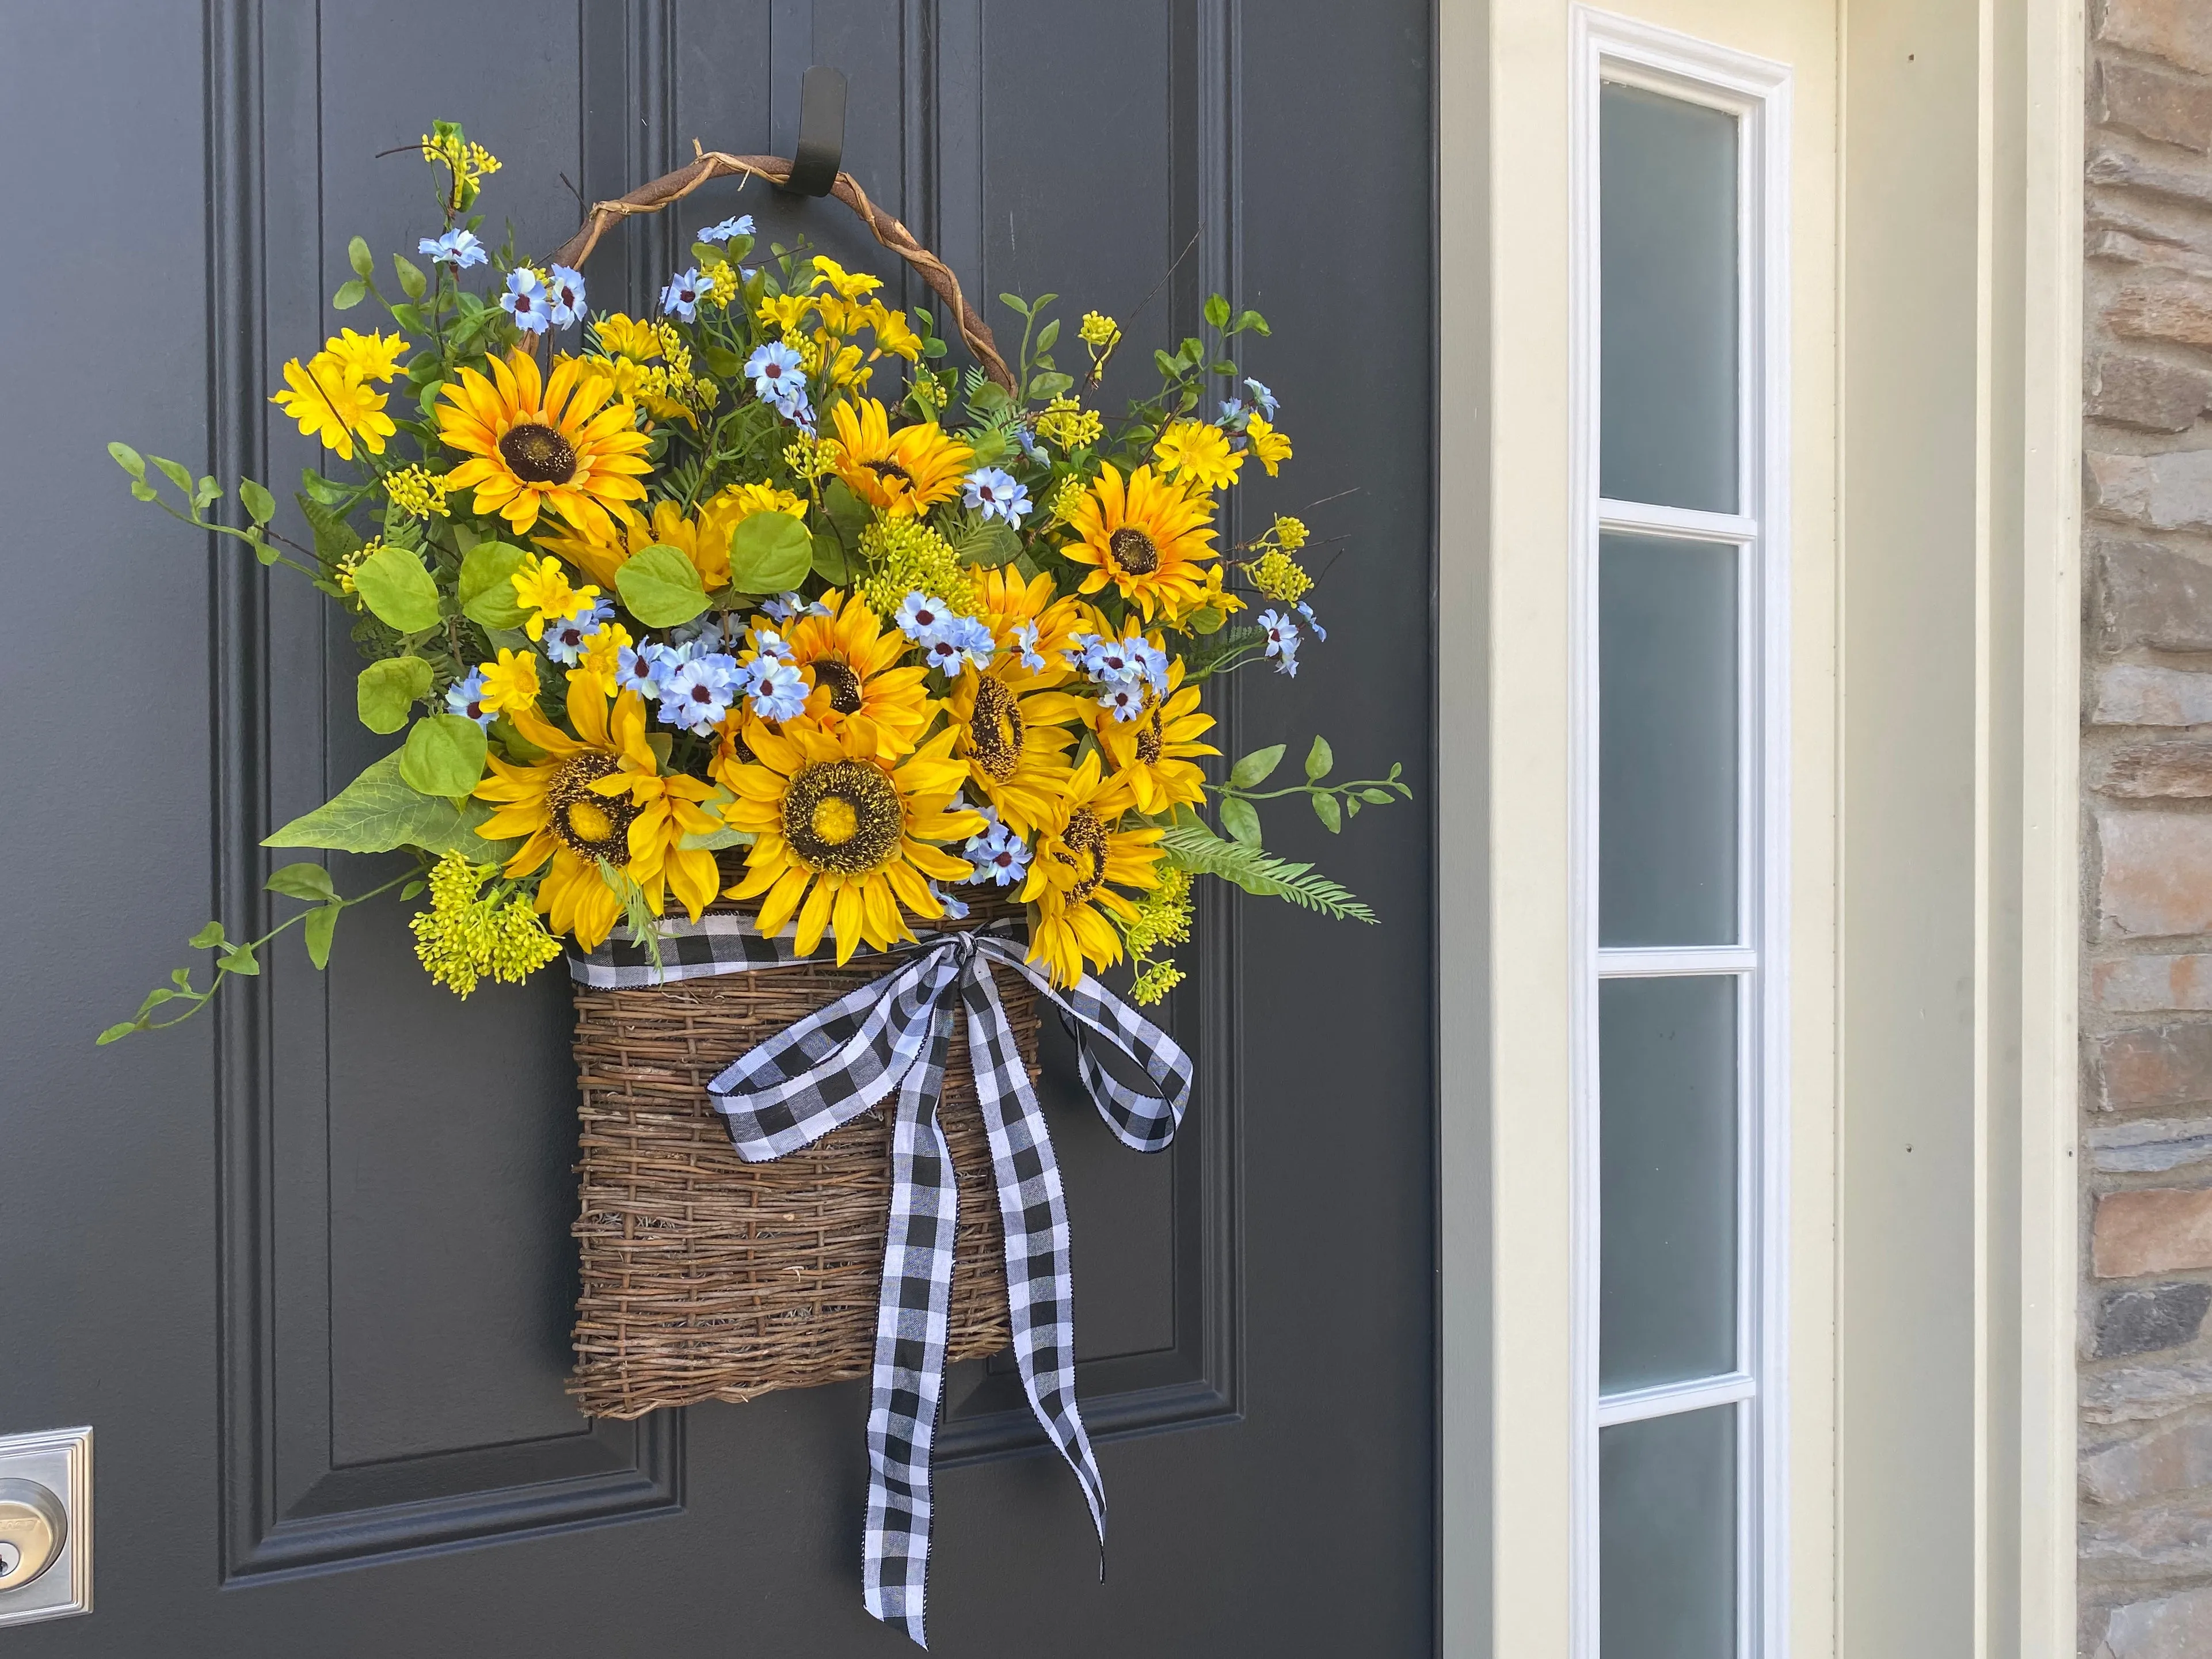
column 716, row 164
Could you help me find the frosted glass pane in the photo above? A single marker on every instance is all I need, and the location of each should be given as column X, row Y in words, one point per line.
column 1667, row 238
column 1667, row 1157
column 1667, row 1537
column 1667, row 742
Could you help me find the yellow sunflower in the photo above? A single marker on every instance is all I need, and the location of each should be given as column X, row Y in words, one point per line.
column 1015, row 745
column 1146, row 536
column 598, row 797
column 534, row 445
column 851, row 662
column 1081, row 857
column 842, row 839
column 1029, row 628
column 905, row 473
column 1151, row 753
column 704, row 539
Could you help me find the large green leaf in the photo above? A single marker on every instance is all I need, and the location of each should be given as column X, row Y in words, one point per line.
column 831, row 562
column 661, row 588
column 769, row 553
column 378, row 812
column 398, row 591
column 444, row 756
column 486, row 587
column 386, row 691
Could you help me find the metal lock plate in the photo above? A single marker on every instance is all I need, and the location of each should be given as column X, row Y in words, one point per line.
column 33, row 1526
column 45, row 1526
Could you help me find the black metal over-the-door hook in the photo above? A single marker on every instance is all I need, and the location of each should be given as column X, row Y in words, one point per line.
column 821, row 149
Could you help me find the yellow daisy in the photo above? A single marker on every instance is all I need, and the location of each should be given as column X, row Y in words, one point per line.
column 1151, row 754
column 537, row 444
column 1197, row 455
column 1146, row 537
column 842, row 840
column 851, row 662
column 598, row 799
column 905, row 473
column 1081, row 855
column 331, row 401
column 1268, row 444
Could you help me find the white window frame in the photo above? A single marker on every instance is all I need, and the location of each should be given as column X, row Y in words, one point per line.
column 1757, row 93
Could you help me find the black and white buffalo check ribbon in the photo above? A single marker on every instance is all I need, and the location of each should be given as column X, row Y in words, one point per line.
column 890, row 1038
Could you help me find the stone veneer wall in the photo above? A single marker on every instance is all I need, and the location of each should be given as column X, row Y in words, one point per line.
column 2146, row 1463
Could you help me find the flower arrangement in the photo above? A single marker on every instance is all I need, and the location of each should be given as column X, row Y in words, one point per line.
column 760, row 598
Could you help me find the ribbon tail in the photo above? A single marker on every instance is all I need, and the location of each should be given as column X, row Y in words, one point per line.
column 912, row 1319
column 1040, row 1282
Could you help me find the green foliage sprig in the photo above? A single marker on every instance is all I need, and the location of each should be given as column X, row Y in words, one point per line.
column 1332, row 802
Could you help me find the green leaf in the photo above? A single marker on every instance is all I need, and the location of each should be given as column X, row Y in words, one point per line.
column 1207, row 619
column 318, row 926
column 1330, row 814
column 141, row 490
column 208, row 937
column 328, row 491
column 1254, row 767
column 769, row 553
column 486, row 587
column 989, row 544
column 408, row 316
column 990, row 398
column 336, row 540
column 1047, row 335
column 1222, row 366
column 1319, row 759
column 1015, row 303
column 260, row 505
column 378, row 812
column 240, row 959
column 384, row 694
column 413, row 890
column 123, row 1028
column 831, row 562
column 1195, row 848
column 129, row 460
column 205, row 493
column 1217, row 311
column 264, row 551
column 444, row 756
column 661, row 588
column 398, row 591
column 302, row 881
column 845, row 510
column 358, row 256
column 722, row 364
column 1049, row 385
column 349, row 294
column 414, row 283
column 1375, row 797
column 175, row 474
column 1352, row 806
column 1241, row 819
column 1250, row 319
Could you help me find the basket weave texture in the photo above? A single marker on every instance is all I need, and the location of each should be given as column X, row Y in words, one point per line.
column 707, row 1278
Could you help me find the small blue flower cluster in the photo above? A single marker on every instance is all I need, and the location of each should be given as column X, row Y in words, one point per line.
column 997, row 495
column 779, row 378
column 537, row 305
column 681, row 297
column 789, row 607
column 948, row 642
column 1232, row 408
column 696, row 679
column 1122, row 670
column 564, row 638
column 466, row 698
column 1282, row 640
column 1000, row 856
column 740, row 226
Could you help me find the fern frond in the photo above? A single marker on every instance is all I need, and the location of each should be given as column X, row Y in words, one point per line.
column 1201, row 851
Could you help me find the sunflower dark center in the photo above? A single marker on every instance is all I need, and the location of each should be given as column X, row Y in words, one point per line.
column 889, row 470
column 1084, row 844
column 1133, row 551
column 844, row 684
column 592, row 826
column 539, row 455
column 994, row 730
column 843, row 818
column 1150, row 740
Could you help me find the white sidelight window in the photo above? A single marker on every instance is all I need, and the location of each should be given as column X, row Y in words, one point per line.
column 1680, row 562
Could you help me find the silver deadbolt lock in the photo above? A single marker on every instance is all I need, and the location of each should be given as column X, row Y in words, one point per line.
column 33, row 1526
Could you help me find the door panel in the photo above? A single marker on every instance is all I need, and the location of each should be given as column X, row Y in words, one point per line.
column 305, row 1266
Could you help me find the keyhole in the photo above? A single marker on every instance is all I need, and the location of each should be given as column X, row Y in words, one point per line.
column 11, row 1558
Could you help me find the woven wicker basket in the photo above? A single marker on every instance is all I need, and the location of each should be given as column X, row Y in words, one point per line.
column 707, row 1278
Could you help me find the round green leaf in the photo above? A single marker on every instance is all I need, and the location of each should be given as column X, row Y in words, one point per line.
column 302, row 881
column 1253, row 769
column 129, row 460
column 1319, row 759
column 260, row 505
column 444, row 756
column 1330, row 814
column 661, row 588
column 351, row 293
column 769, row 553
column 358, row 256
column 386, row 692
column 486, row 587
column 1241, row 820
column 398, row 591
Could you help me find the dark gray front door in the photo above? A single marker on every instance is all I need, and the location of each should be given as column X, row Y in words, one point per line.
column 304, row 1265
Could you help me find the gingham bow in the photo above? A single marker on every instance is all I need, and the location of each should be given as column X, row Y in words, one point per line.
column 891, row 1035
